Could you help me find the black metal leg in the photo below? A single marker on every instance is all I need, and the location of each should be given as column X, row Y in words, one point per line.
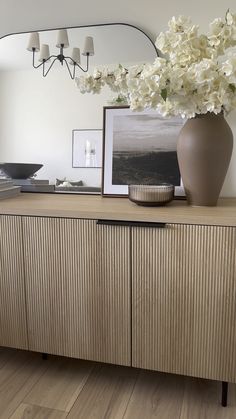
column 224, row 393
column 45, row 356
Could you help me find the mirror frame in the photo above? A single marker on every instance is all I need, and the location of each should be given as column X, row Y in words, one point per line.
column 87, row 26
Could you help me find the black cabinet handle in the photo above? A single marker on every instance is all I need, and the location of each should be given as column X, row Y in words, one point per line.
column 130, row 223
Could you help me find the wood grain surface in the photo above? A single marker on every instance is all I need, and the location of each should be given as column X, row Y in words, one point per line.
column 13, row 331
column 97, row 207
column 27, row 411
column 109, row 392
column 184, row 300
column 78, row 288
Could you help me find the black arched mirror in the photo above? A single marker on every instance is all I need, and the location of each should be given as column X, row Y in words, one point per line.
column 41, row 116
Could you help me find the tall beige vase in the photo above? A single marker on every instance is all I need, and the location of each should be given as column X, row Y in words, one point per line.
column 204, row 151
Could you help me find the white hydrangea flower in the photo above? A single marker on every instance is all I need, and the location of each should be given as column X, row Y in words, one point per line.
column 196, row 75
column 228, row 68
column 216, row 27
column 180, row 24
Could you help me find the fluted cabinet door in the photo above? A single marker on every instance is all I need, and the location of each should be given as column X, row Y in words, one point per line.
column 184, row 300
column 96, row 280
column 78, row 288
column 12, row 289
column 44, row 291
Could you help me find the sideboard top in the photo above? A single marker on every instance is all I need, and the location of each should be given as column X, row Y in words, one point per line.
column 97, row 207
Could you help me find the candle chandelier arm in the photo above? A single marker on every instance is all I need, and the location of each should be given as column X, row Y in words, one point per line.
column 44, row 61
column 72, row 75
column 61, row 58
column 35, row 66
column 77, row 65
column 49, row 68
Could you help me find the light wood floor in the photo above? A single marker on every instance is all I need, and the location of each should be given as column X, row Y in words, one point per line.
column 60, row 388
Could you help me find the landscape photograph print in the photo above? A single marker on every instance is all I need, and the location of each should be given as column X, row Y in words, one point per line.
column 143, row 149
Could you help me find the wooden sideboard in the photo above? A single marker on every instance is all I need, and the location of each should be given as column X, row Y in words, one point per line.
column 77, row 279
column 102, row 279
column 13, row 326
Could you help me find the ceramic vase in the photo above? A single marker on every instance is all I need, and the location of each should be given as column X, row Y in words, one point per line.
column 204, row 150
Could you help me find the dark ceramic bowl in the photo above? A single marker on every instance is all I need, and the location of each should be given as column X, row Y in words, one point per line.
column 20, row 170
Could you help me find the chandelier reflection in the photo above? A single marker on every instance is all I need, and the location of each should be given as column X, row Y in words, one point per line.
column 71, row 63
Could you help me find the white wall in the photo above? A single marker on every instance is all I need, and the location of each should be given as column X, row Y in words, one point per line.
column 151, row 15
column 37, row 118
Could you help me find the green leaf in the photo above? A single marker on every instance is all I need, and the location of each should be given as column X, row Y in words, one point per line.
column 164, row 94
column 232, row 87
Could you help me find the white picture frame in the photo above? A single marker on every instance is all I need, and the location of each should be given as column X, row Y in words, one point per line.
column 126, row 132
column 87, row 148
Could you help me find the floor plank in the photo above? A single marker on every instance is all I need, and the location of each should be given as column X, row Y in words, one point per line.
column 26, row 411
column 202, row 399
column 17, row 378
column 6, row 354
column 60, row 386
column 106, row 393
column 156, row 395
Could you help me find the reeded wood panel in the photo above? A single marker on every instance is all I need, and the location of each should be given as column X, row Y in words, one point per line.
column 184, row 300
column 96, row 280
column 43, row 284
column 12, row 291
column 78, row 288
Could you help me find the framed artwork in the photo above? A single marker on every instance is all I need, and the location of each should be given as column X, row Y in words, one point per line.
column 139, row 148
column 87, row 148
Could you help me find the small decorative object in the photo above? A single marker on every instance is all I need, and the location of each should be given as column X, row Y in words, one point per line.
column 60, row 182
column 8, row 189
column 87, row 148
column 34, row 185
column 139, row 148
column 20, row 170
column 195, row 76
column 204, row 150
column 151, row 195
